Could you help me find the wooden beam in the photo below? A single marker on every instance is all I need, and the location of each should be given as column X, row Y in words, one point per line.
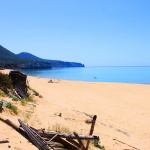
column 64, row 135
column 79, row 140
column 73, row 142
column 65, row 143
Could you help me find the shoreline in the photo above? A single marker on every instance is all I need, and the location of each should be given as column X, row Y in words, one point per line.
column 139, row 75
column 122, row 109
column 6, row 71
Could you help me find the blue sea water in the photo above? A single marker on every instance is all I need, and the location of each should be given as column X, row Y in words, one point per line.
column 95, row 74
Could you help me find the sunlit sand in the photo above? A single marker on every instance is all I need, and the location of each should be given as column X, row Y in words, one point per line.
column 123, row 112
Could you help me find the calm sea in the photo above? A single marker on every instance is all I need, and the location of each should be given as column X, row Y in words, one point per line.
column 96, row 74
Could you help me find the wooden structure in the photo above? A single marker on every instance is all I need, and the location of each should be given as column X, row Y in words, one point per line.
column 19, row 82
column 53, row 140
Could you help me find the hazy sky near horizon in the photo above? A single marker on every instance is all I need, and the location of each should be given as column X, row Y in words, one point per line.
column 93, row 32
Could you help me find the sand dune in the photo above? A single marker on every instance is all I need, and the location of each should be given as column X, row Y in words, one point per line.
column 122, row 110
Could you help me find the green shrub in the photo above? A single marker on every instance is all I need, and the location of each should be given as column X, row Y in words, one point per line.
column 35, row 92
column 96, row 143
column 29, row 99
column 26, row 100
column 23, row 102
column 2, row 94
column 5, row 82
column 12, row 107
column 58, row 128
column 15, row 99
column 1, row 105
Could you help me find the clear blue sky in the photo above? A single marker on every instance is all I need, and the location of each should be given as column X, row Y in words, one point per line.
column 93, row 32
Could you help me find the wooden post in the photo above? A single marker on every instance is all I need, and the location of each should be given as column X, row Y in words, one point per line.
column 91, row 130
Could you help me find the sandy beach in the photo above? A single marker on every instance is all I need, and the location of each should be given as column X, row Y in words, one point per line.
column 122, row 109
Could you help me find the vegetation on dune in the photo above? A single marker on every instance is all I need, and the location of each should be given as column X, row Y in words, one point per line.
column 2, row 94
column 96, row 143
column 7, row 87
column 12, row 107
column 1, row 105
column 35, row 92
column 5, row 83
column 59, row 128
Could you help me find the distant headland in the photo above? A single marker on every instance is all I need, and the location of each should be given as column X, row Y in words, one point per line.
column 26, row 60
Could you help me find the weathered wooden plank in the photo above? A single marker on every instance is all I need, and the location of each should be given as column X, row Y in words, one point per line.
column 73, row 142
column 64, row 135
column 58, row 138
column 36, row 139
column 79, row 140
column 65, row 143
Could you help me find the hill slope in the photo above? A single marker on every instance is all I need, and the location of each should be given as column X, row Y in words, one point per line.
column 6, row 55
column 54, row 63
column 28, row 61
column 12, row 61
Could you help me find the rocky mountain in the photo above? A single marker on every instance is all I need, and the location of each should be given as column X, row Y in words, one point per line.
column 54, row 63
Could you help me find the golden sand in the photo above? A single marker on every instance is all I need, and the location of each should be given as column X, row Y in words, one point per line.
column 123, row 112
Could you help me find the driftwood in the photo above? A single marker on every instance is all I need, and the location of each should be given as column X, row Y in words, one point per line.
column 4, row 141
column 70, row 138
column 36, row 139
column 14, row 126
column 45, row 140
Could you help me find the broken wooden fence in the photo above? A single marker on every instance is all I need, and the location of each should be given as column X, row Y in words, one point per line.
column 45, row 140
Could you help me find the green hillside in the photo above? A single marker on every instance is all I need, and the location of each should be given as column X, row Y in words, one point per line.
column 11, row 61
column 54, row 63
column 28, row 61
column 6, row 55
